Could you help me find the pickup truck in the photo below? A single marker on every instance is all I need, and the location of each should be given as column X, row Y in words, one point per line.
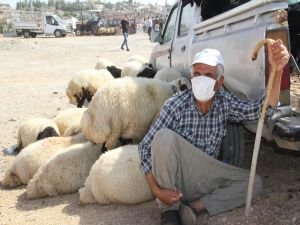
column 29, row 24
column 234, row 28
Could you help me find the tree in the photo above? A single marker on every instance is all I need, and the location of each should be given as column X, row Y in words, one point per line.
column 51, row 3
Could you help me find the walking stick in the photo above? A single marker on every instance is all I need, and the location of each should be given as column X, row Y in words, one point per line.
column 260, row 124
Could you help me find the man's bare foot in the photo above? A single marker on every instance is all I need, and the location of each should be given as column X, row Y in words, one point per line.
column 197, row 206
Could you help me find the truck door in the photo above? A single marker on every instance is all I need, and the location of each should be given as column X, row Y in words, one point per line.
column 50, row 25
column 163, row 55
column 182, row 38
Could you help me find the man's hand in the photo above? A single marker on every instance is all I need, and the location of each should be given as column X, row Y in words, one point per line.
column 169, row 197
column 278, row 54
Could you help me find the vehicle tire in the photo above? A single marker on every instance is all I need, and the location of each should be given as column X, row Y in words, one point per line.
column 78, row 32
column 33, row 35
column 57, row 33
column 95, row 30
column 26, row 34
column 233, row 145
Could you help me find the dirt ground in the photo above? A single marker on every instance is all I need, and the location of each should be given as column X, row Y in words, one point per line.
column 33, row 76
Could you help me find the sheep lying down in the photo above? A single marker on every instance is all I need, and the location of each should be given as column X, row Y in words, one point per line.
column 167, row 74
column 125, row 108
column 103, row 63
column 68, row 121
column 137, row 69
column 65, row 172
column 33, row 156
column 138, row 58
column 33, row 130
column 116, row 177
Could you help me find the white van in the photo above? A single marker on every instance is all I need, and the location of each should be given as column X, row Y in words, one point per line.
column 29, row 24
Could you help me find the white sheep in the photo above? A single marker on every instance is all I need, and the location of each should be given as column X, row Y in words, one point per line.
column 65, row 172
column 116, row 177
column 137, row 69
column 73, row 129
column 167, row 74
column 132, row 69
column 84, row 84
column 138, row 58
column 103, row 63
column 125, row 108
column 33, row 130
column 33, row 156
column 69, row 120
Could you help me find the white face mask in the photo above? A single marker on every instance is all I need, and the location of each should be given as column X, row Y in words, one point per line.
column 203, row 88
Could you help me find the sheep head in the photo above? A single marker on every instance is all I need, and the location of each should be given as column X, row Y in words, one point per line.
column 181, row 84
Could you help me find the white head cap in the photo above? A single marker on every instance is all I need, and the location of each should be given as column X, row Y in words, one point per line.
column 208, row 56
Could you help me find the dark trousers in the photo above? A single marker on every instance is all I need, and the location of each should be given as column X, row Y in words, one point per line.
column 149, row 31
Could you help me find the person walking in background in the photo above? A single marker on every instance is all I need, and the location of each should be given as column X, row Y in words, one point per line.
column 161, row 21
column 156, row 24
column 124, row 26
column 149, row 26
column 145, row 25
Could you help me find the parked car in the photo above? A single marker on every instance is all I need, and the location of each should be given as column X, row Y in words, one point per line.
column 294, row 28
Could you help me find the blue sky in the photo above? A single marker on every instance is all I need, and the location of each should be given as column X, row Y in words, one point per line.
column 160, row 2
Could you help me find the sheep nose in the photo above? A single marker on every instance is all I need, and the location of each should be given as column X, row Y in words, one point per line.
column 183, row 87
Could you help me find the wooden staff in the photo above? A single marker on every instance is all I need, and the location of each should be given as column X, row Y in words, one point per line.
column 260, row 123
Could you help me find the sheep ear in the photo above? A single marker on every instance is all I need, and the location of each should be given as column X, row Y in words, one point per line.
column 174, row 88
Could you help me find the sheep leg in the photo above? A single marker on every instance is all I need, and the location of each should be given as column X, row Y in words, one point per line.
column 15, row 149
column 11, row 181
column 86, row 196
column 259, row 126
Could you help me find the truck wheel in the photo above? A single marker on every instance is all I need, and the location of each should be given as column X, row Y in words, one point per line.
column 26, row 34
column 57, row 33
column 233, row 145
column 78, row 32
column 95, row 30
column 33, row 35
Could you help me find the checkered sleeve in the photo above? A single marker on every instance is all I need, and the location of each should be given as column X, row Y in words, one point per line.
column 245, row 110
column 165, row 120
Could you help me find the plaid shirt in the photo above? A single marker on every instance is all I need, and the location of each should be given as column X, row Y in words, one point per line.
column 205, row 131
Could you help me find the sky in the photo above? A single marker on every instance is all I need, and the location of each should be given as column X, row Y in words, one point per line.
column 160, row 2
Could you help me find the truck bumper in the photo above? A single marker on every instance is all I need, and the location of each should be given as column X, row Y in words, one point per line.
column 282, row 127
column 286, row 133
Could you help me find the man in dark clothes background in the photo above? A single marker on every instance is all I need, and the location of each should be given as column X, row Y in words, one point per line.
column 124, row 25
